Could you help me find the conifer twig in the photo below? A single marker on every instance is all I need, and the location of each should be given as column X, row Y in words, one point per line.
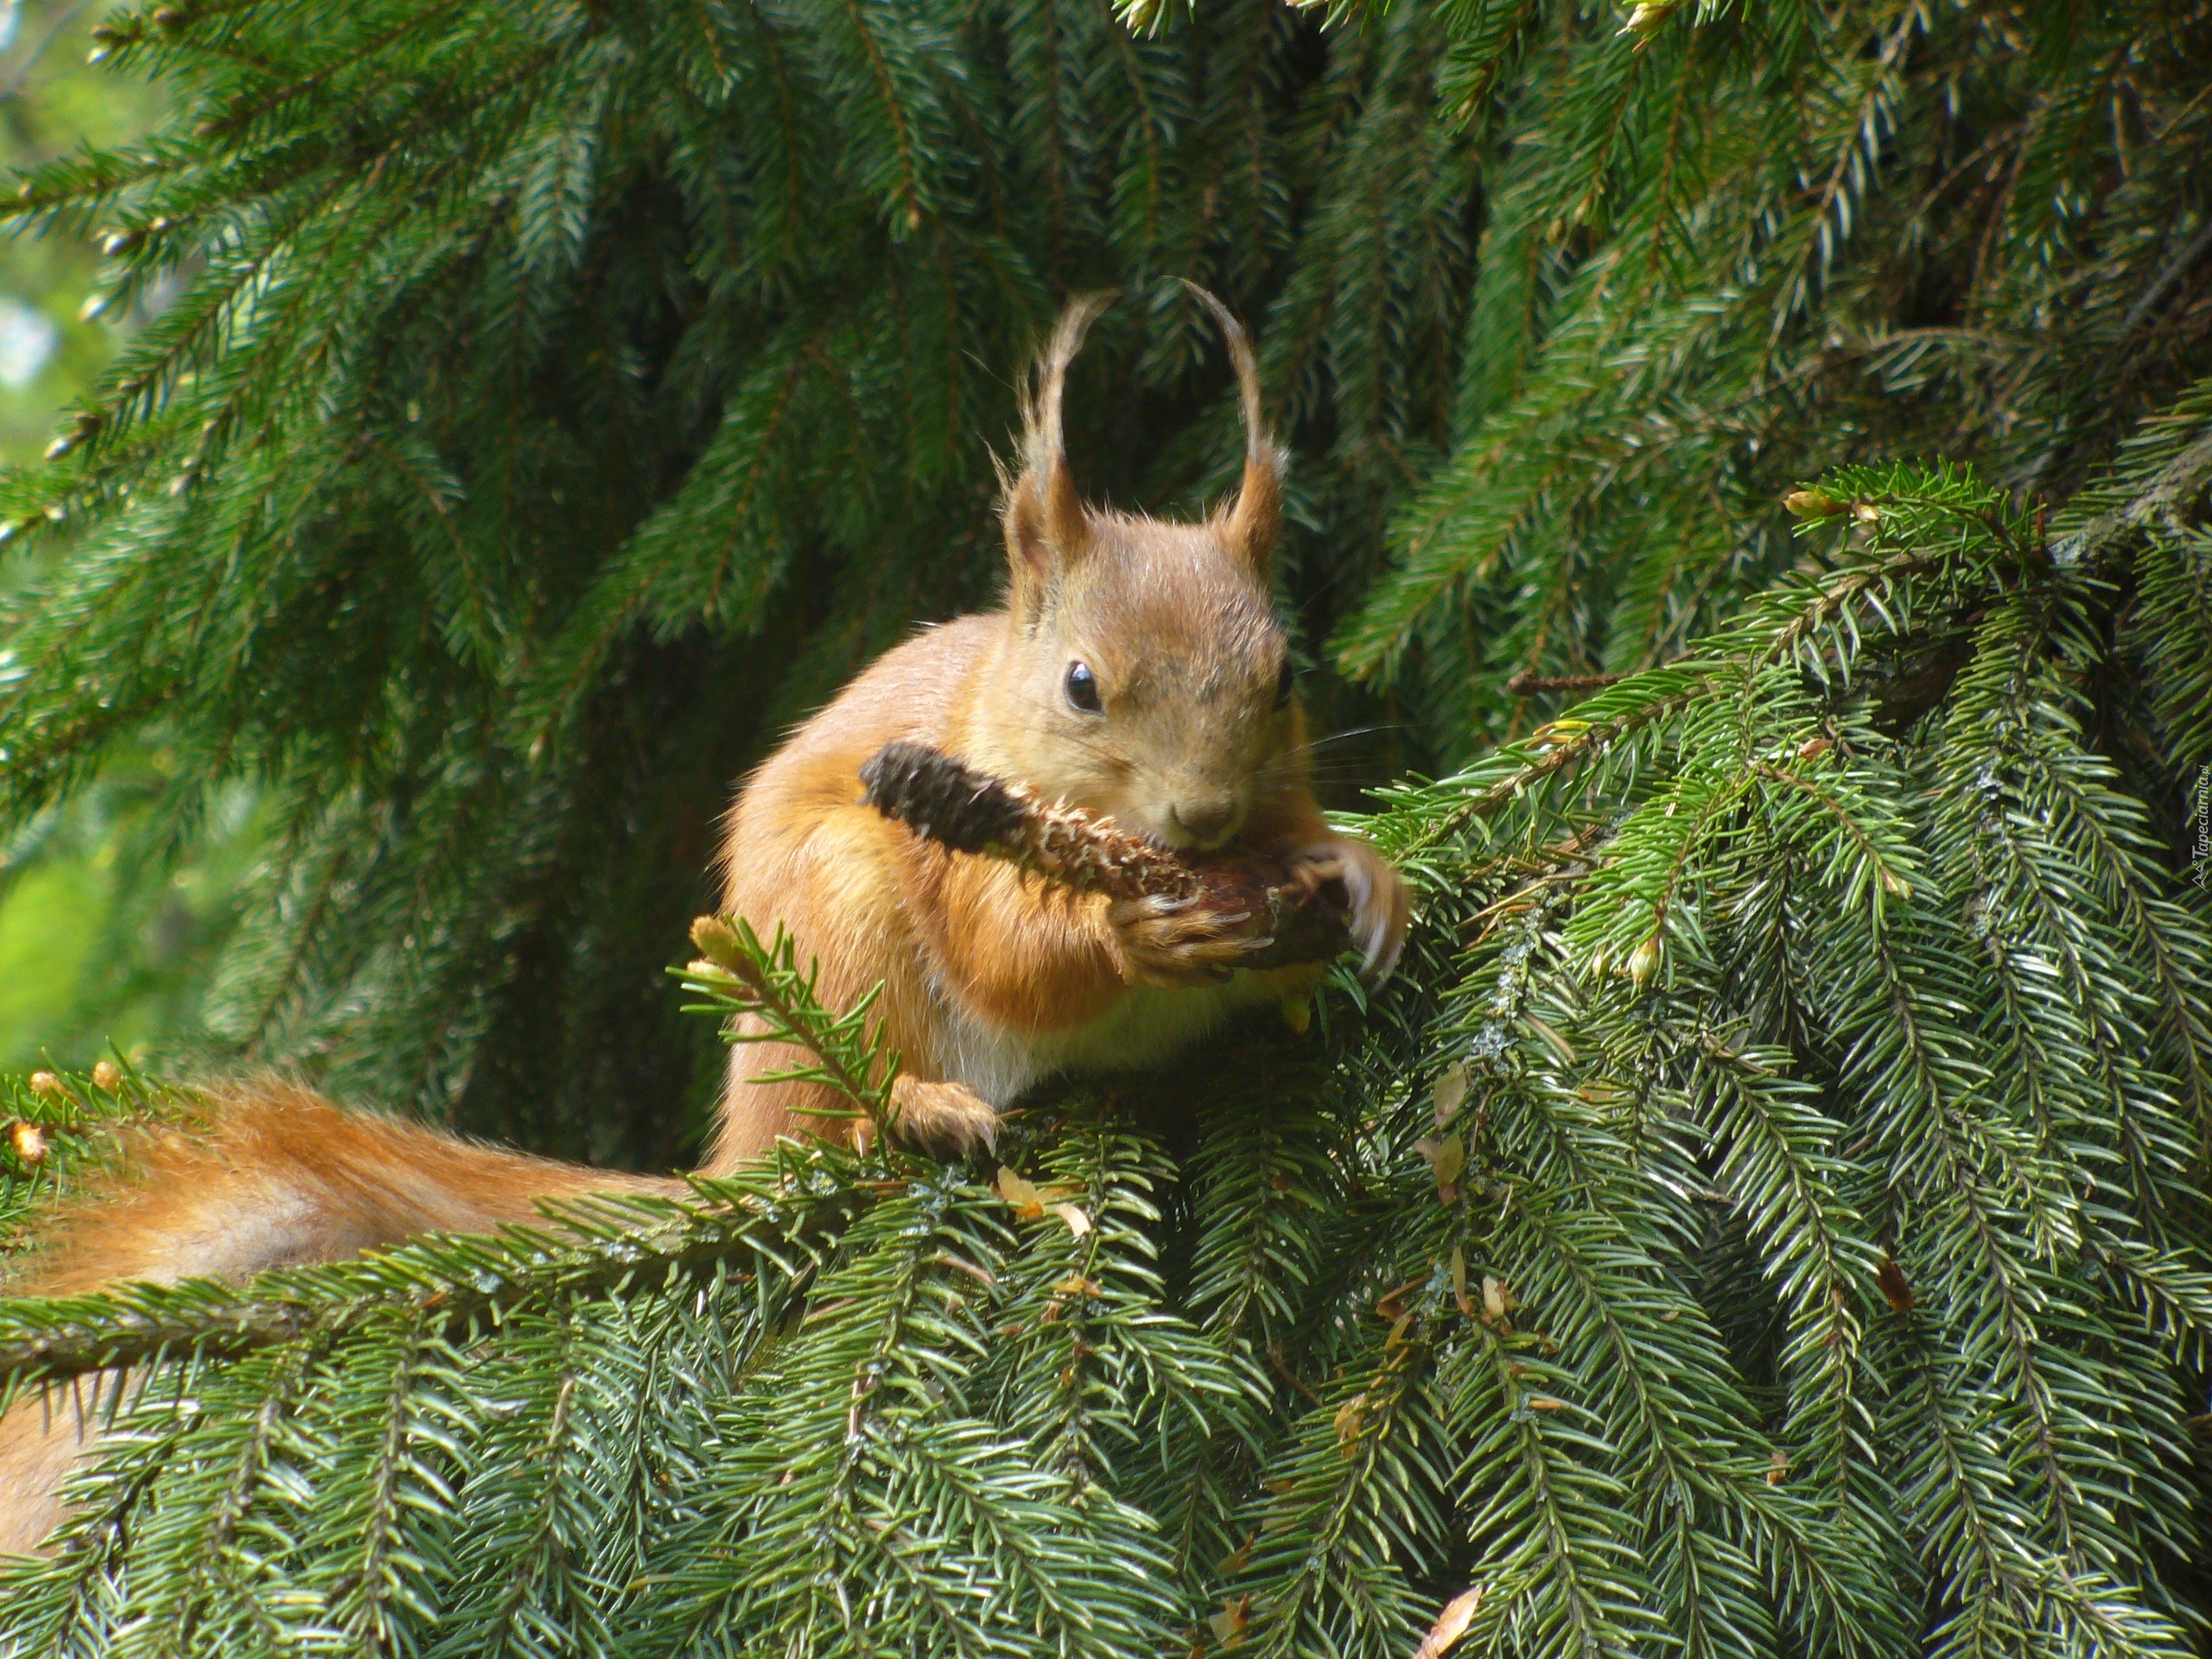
column 134, row 1324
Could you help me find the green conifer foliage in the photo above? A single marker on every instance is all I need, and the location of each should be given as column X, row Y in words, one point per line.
column 1761, row 457
column 558, row 402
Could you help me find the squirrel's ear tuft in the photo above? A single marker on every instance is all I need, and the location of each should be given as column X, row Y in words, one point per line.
column 1250, row 522
column 1046, row 531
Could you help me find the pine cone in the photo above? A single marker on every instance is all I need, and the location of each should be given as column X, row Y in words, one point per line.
column 967, row 811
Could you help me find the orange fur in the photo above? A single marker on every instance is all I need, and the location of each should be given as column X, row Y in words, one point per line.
column 991, row 979
column 40, row 1442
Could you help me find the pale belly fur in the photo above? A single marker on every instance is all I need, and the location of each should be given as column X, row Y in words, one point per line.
column 1145, row 1026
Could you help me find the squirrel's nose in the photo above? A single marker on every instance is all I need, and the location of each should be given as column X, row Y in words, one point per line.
column 1204, row 818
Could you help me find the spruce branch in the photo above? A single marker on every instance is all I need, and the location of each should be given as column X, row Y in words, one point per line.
column 585, row 1247
column 459, row 1284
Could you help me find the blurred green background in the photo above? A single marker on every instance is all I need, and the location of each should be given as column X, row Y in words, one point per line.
column 103, row 935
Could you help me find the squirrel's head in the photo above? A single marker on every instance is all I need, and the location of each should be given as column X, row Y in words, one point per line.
column 1143, row 674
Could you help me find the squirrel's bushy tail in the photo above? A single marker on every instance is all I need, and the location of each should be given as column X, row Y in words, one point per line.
column 281, row 1178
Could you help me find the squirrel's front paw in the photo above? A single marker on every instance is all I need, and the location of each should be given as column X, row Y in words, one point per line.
column 1380, row 901
column 944, row 1117
column 1178, row 942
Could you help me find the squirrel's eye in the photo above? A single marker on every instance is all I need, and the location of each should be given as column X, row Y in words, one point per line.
column 1283, row 685
column 1082, row 687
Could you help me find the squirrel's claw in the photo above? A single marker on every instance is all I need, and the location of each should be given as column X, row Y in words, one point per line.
column 944, row 1117
column 1381, row 904
column 1175, row 942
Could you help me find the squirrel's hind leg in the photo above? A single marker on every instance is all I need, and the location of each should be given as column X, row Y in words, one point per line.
column 948, row 1117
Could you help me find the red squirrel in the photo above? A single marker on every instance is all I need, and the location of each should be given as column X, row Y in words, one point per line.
column 1136, row 669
